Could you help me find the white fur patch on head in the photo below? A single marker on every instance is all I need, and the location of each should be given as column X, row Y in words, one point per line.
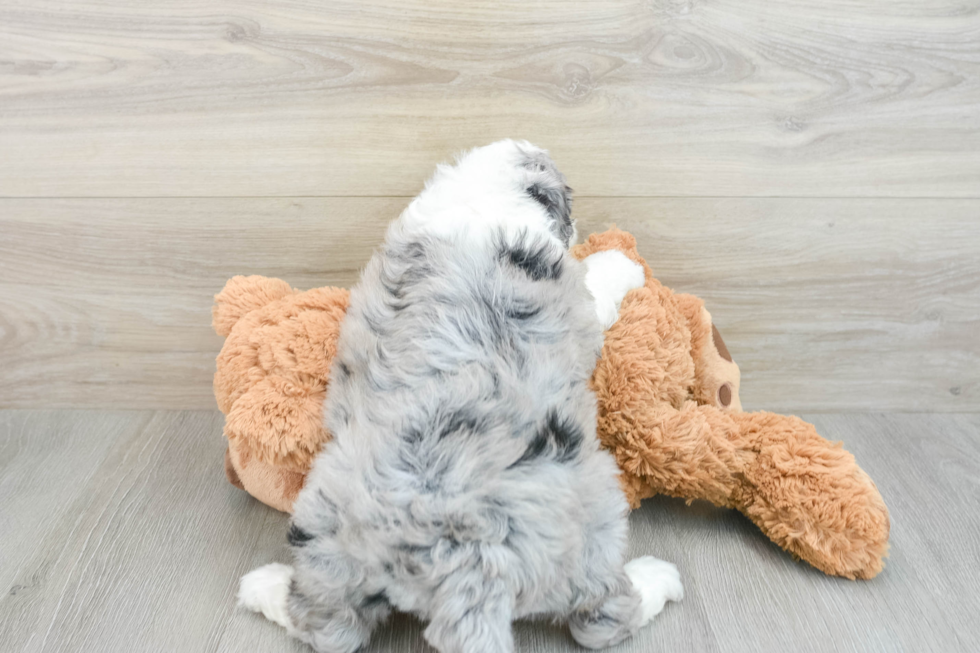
column 502, row 187
column 610, row 275
column 266, row 590
column 657, row 581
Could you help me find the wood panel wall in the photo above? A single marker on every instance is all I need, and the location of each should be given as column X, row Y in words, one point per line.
column 810, row 168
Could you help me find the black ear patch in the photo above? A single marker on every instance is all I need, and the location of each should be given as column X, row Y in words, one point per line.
column 558, row 202
column 546, row 185
column 539, row 261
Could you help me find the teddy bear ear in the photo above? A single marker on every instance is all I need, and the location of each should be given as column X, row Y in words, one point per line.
column 242, row 295
column 612, row 238
column 720, row 344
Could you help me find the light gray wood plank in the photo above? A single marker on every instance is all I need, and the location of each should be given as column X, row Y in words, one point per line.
column 142, row 553
column 101, row 295
column 42, row 460
column 672, row 97
column 826, row 304
column 126, row 536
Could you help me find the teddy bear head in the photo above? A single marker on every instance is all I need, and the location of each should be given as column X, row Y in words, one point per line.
column 666, row 339
column 271, row 380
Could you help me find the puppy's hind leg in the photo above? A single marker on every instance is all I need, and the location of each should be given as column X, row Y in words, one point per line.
column 335, row 619
column 635, row 596
column 614, row 601
column 609, row 619
column 471, row 614
column 332, row 617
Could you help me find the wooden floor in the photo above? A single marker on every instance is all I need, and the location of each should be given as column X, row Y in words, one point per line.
column 120, row 533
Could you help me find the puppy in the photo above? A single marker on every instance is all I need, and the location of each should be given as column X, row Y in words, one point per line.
column 464, row 482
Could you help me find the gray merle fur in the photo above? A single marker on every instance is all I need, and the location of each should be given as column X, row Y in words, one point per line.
column 464, row 481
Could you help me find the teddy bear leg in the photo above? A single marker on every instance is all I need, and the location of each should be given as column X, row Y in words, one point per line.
column 809, row 496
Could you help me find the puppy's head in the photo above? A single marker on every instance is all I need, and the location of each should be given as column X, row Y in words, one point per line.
column 518, row 172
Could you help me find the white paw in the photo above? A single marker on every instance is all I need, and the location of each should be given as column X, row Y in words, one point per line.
column 266, row 590
column 609, row 276
column 657, row 581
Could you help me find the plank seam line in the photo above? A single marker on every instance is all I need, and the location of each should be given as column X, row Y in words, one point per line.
column 408, row 197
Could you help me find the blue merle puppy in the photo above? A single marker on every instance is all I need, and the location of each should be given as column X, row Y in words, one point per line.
column 464, row 482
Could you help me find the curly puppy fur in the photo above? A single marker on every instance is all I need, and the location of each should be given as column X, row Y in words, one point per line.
column 464, row 482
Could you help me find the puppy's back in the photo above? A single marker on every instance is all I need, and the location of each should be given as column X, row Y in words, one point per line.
column 459, row 400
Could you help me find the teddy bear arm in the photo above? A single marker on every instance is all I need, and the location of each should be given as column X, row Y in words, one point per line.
column 244, row 294
column 688, row 453
column 806, row 494
column 609, row 276
column 809, row 495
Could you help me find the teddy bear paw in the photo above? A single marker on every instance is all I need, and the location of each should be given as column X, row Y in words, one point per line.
column 609, row 276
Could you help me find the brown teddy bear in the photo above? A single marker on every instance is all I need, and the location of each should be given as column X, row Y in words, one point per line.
column 668, row 401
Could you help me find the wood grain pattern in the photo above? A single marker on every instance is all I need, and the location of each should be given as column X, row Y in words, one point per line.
column 145, row 551
column 667, row 98
column 119, row 532
column 826, row 304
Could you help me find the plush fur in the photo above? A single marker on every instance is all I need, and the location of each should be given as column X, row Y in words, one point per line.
column 271, row 381
column 669, row 409
column 671, row 415
column 464, row 481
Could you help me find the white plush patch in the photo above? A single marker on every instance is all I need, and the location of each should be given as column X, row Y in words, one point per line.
column 609, row 276
column 266, row 590
column 657, row 581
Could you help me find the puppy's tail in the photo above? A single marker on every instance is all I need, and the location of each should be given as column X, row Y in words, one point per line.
column 266, row 590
